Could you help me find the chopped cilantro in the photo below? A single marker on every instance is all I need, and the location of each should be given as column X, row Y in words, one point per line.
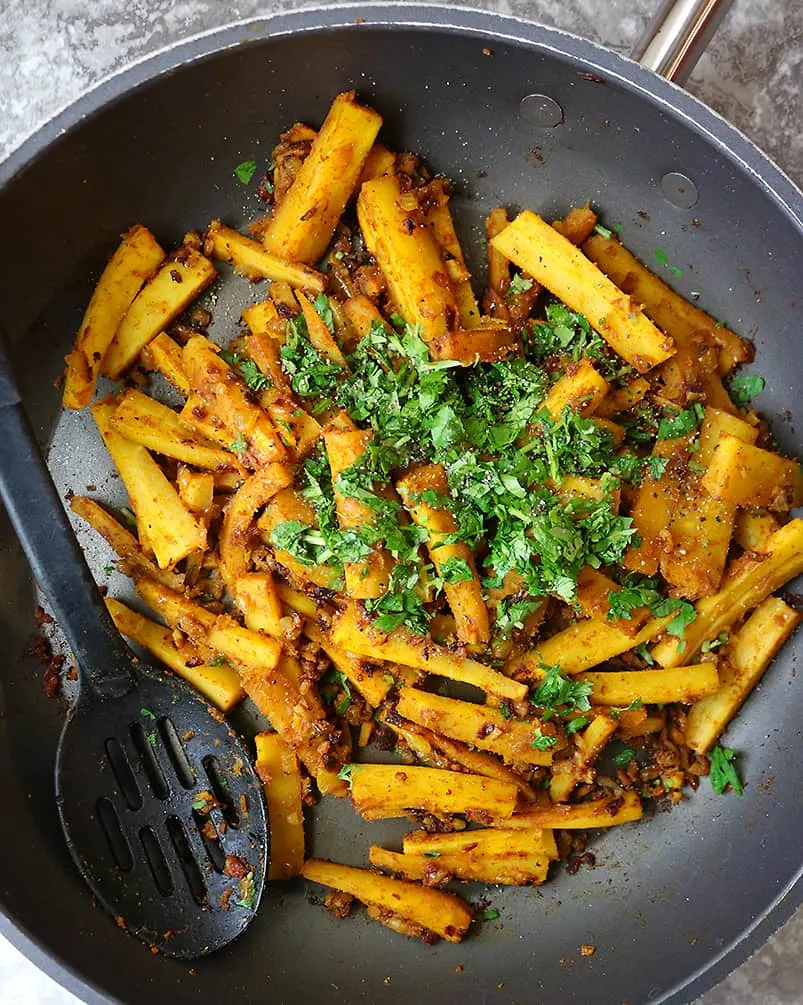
column 345, row 773
column 711, row 644
column 684, row 615
column 556, row 690
column 432, row 854
column 456, row 570
column 519, row 284
column 575, row 725
column 680, row 423
column 108, row 569
column 724, row 771
column 218, row 661
column 642, row 652
column 247, row 369
column 245, row 171
column 662, row 259
column 239, row 446
column 489, row 914
column 153, row 739
column 323, row 309
column 603, row 231
column 147, row 714
column 656, row 466
column 636, row 591
column 542, row 742
column 512, row 614
column 743, row 387
column 624, row 757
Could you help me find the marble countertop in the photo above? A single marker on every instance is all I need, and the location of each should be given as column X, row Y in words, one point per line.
column 752, row 74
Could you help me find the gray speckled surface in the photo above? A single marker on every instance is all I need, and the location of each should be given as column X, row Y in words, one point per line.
column 753, row 74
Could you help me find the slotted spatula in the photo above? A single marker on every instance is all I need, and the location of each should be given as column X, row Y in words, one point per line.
column 161, row 808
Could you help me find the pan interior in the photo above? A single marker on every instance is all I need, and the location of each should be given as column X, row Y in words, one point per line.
column 668, row 894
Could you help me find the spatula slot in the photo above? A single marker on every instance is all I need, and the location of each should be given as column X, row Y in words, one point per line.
column 123, row 774
column 157, row 861
column 211, row 840
column 112, row 828
column 177, row 754
column 190, row 868
column 145, row 744
column 221, row 789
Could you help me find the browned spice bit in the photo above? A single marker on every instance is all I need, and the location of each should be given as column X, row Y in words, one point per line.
column 175, row 275
column 459, row 968
column 225, row 897
column 487, row 52
column 592, row 77
column 235, row 866
column 338, row 903
column 586, row 950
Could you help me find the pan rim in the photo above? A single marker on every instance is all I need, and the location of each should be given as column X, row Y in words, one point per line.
column 729, row 141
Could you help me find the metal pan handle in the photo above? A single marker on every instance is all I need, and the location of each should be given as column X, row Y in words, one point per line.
column 678, row 35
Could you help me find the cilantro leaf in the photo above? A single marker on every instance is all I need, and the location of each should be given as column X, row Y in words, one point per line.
column 636, row 591
column 518, row 284
column 624, row 757
column 323, row 309
column 456, row 570
column 576, row 724
column 245, row 171
column 239, row 446
column 724, row 772
column 556, row 690
column 680, row 423
column 542, row 742
column 247, row 369
column 743, row 387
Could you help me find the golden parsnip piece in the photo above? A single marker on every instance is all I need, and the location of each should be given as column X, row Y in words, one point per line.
column 582, row 645
column 622, row 398
column 453, row 562
column 674, row 315
column 304, row 221
column 238, row 522
column 250, row 259
column 753, row 527
column 517, row 869
column 379, row 791
column 410, row 260
column 581, row 388
column 169, row 528
column 621, row 687
column 439, row 219
column 136, row 259
column 220, row 684
column 748, row 580
column 277, row 767
column 493, row 842
column 258, row 598
column 370, row 576
column 443, row 913
column 144, row 420
column 578, row 223
column 479, row 725
column 369, row 678
column 164, row 355
column 317, row 330
column 135, row 561
column 289, row 505
column 589, row 744
column 196, row 489
column 490, row 341
column 610, row 811
column 437, row 750
column 379, row 161
column 253, row 436
column 177, row 283
column 742, row 663
column 699, row 533
column 745, row 475
column 353, row 631
column 537, row 248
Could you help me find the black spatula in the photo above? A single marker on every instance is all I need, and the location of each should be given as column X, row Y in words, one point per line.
column 161, row 808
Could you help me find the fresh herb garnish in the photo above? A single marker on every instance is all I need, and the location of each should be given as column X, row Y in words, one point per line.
column 680, row 423
column 147, row 714
column 624, row 757
column 519, row 284
column 575, row 725
column 556, row 691
column 724, row 772
column 635, row 591
column 711, row 644
column 543, row 742
column 432, row 854
column 603, row 231
column 239, row 446
column 245, row 171
column 254, row 378
column 489, row 914
column 218, row 661
column 456, row 570
column 743, row 387
column 662, row 259
column 323, row 308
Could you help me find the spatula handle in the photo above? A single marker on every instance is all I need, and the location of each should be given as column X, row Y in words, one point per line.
column 36, row 512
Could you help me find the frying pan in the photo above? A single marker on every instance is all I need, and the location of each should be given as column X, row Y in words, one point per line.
column 674, row 902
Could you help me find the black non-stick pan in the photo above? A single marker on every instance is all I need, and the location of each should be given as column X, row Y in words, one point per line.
column 675, row 901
